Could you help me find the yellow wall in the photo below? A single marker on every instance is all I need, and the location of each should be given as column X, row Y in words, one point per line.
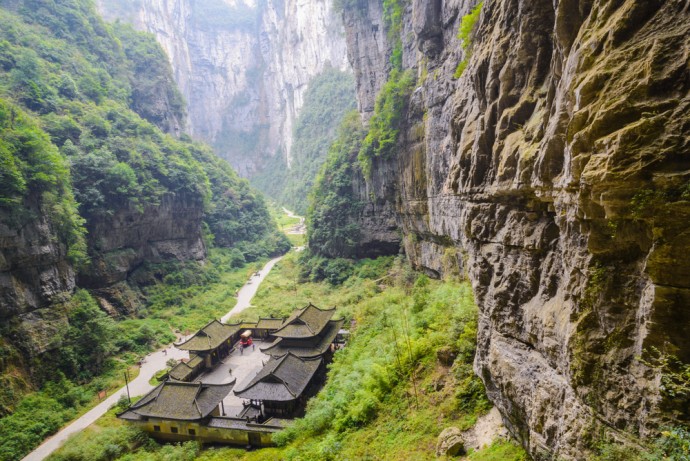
column 203, row 433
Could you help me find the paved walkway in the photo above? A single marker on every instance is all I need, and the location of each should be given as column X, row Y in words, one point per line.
column 247, row 292
column 244, row 367
column 139, row 386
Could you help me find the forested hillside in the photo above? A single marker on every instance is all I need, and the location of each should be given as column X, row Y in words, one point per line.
column 97, row 183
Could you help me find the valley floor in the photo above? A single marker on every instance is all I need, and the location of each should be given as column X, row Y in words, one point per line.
column 390, row 392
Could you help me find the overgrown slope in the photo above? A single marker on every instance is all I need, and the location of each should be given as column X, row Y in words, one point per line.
column 91, row 186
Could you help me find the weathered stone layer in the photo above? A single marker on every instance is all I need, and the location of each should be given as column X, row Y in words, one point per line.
column 555, row 173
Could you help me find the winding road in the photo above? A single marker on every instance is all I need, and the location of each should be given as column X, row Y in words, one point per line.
column 247, row 292
column 152, row 363
column 139, row 386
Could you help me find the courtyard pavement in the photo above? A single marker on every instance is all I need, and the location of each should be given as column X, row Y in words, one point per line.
column 241, row 366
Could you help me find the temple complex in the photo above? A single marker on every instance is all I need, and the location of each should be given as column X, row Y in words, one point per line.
column 224, row 394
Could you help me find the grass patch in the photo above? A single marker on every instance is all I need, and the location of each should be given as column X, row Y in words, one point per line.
column 281, row 218
column 501, row 450
column 282, row 292
column 188, row 301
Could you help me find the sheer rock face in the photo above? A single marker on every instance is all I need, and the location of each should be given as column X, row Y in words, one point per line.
column 35, row 276
column 554, row 173
column 245, row 82
column 119, row 244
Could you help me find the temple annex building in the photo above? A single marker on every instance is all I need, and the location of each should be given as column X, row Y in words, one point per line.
column 229, row 394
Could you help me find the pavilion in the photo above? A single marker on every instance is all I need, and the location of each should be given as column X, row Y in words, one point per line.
column 176, row 410
column 283, row 385
column 213, row 342
column 309, row 332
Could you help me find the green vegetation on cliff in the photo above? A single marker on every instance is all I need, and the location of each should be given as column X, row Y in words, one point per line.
column 393, row 17
column 154, row 93
column 385, row 124
column 464, row 34
column 32, row 170
column 331, row 229
column 91, row 83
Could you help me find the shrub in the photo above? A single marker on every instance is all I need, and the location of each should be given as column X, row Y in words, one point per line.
column 384, row 125
column 464, row 34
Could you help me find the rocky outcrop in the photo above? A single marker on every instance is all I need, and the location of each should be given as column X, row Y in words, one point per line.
column 119, row 244
column 450, row 442
column 34, row 277
column 242, row 67
column 553, row 173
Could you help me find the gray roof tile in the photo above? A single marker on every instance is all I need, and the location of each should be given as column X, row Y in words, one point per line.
column 179, row 401
column 209, row 337
column 281, row 379
column 305, row 323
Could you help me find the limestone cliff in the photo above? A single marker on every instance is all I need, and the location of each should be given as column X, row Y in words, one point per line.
column 121, row 243
column 243, row 67
column 35, row 276
column 554, row 173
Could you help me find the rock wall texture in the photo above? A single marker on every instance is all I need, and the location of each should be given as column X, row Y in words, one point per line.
column 34, row 277
column 554, row 172
column 121, row 243
column 243, row 75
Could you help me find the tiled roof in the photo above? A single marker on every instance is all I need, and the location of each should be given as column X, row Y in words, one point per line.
column 312, row 347
column 281, row 379
column 194, row 360
column 179, row 401
column 305, row 323
column 181, row 372
column 270, row 425
column 209, row 337
column 269, row 324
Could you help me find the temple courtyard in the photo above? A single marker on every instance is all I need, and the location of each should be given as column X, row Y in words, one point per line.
column 242, row 367
column 242, row 381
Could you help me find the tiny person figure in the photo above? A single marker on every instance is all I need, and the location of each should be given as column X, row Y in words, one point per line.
column 241, row 349
column 252, row 346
